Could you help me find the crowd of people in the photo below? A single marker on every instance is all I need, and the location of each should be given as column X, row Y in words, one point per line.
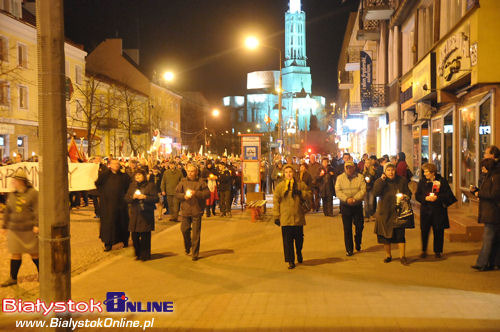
column 131, row 195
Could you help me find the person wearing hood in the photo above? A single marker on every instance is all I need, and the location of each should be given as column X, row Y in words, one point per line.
column 350, row 188
column 141, row 198
column 20, row 221
column 387, row 188
column 435, row 196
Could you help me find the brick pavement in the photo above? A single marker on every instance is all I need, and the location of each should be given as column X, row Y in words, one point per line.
column 241, row 282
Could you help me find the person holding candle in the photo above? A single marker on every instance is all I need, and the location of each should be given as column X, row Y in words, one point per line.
column 141, row 198
column 192, row 193
column 288, row 214
column 387, row 187
column 435, row 196
column 370, row 174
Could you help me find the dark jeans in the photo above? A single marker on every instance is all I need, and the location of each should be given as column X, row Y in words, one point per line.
column 142, row 244
column 425, row 227
column 225, row 201
column 290, row 235
column 173, row 205
column 489, row 255
column 327, row 206
column 191, row 239
column 352, row 215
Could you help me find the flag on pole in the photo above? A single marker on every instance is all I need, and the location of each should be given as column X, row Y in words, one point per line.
column 73, row 153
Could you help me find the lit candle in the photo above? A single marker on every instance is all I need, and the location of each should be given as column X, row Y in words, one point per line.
column 399, row 196
column 189, row 193
column 138, row 192
column 367, row 179
column 432, row 194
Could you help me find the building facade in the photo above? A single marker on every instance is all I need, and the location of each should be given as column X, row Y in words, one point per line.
column 436, row 62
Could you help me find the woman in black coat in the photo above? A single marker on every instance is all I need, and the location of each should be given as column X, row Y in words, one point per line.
column 435, row 195
column 489, row 215
column 387, row 187
column 141, row 198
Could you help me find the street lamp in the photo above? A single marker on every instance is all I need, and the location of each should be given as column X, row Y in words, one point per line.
column 253, row 43
column 168, row 76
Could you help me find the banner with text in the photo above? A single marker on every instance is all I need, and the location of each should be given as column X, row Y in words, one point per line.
column 81, row 176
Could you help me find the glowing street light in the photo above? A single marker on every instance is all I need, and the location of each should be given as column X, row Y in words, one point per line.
column 215, row 112
column 252, row 42
column 168, row 76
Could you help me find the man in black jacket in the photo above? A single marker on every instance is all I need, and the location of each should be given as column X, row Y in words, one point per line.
column 192, row 193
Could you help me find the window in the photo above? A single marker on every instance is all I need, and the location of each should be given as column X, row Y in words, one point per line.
column 425, row 28
column 22, row 146
column 408, row 44
column 3, row 146
column 23, row 97
column 448, row 147
column 4, row 93
column 484, row 126
column 436, row 135
column 22, row 55
column 451, row 12
column 79, row 112
column 78, row 75
column 4, row 49
column 468, row 155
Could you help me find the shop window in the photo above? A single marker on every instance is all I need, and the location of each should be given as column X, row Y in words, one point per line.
column 468, row 144
column 416, row 151
column 3, row 145
column 448, row 148
column 425, row 143
column 484, row 126
column 22, row 146
column 436, row 156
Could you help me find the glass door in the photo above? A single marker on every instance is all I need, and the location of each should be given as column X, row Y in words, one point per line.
column 448, row 130
column 436, row 144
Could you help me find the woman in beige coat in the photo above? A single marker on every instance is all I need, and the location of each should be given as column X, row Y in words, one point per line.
column 289, row 214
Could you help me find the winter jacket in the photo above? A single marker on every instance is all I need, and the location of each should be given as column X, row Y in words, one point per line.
column 21, row 210
column 287, row 207
column 194, row 206
column 141, row 212
column 306, row 178
column 489, row 198
column 435, row 213
column 314, row 170
column 346, row 187
column 170, row 180
column 385, row 216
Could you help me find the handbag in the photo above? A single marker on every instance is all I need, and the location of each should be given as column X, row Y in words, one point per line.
column 405, row 216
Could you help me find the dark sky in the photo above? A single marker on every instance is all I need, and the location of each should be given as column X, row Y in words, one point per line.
column 201, row 40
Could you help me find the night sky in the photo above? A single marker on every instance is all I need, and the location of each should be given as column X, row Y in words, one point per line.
column 201, row 40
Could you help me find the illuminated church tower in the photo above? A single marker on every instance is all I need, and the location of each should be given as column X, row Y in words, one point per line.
column 296, row 74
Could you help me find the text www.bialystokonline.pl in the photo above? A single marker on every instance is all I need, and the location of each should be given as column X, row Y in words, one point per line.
column 100, row 322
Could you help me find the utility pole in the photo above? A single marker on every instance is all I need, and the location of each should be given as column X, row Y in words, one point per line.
column 55, row 258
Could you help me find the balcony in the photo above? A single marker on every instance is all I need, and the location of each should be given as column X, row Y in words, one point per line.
column 374, row 101
column 378, row 10
column 140, row 128
column 107, row 123
column 352, row 58
column 345, row 80
column 368, row 30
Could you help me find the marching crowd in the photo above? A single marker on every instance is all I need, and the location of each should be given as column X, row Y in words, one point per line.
column 132, row 194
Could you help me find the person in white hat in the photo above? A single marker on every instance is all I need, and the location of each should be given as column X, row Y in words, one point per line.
column 21, row 223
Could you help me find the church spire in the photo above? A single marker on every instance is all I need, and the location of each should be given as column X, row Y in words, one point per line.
column 295, row 35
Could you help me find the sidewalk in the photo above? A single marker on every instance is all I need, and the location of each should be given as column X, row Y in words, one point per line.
column 241, row 282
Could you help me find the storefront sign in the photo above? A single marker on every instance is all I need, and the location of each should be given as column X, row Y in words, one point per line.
column 454, row 57
column 81, row 176
column 6, row 129
column 366, row 72
column 407, row 93
column 423, row 80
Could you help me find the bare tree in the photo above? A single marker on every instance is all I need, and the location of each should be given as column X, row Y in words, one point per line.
column 95, row 108
column 134, row 115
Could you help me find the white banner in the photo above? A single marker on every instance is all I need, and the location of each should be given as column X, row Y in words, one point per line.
column 81, row 176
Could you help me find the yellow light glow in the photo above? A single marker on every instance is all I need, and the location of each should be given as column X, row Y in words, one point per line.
column 168, row 76
column 248, row 130
column 251, row 42
column 215, row 112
